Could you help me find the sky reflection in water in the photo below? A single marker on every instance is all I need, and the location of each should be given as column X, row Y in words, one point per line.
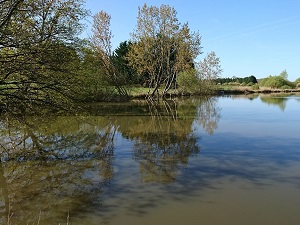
column 227, row 160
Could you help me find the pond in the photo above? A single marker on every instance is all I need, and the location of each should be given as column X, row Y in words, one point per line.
column 220, row 160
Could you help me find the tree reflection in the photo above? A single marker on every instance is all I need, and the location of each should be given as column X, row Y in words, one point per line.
column 166, row 140
column 208, row 114
column 279, row 101
column 52, row 170
column 54, row 166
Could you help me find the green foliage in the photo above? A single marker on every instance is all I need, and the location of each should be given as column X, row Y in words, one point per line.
column 279, row 81
column 162, row 47
column 202, row 79
column 276, row 82
column 284, row 74
column 188, row 81
column 285, row 87
column 38, row 51
column 111, row 66
column 92, row 83
column 255, row 87
column 297, row 81
column 126, row 73
column 237, row 80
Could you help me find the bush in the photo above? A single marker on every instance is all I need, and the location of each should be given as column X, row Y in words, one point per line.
column 285, row 87
column 255, row 87
column 188, row 81
column 276, row 82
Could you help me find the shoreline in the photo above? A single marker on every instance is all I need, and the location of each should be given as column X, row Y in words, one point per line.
column 220, row 92
column 259, row 91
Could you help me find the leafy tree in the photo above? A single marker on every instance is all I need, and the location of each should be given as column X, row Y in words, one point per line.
column 297, row 82
column 101, row 42
column 209, row 71
column 246, row 80
column 279, row 81
column 93, row 85
column 276, row 82
column 202, row 79
column 284, row 74
column 38, row 56
column 251, row 79
column 8, row 8
column 162, row 47
column 188, row 81
column 121, row 63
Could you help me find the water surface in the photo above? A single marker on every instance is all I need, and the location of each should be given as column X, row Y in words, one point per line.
column 224, row 160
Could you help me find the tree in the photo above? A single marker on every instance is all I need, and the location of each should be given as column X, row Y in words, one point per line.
column 38, row 58
column 284, row 74
column 188, row 81
column 8, row 9
column 297, row 82
column 121, row 63
column 276, row 82
column 101, row 42
column 209, row 71
column 251, row 79
column 202, row 79
column 93, row 85
column 162, row 47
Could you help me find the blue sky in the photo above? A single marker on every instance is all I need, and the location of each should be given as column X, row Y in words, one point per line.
column 251, row 37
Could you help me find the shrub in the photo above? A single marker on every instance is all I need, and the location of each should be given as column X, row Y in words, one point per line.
column 286, row 87
column 255, row 87
column 187, row 80
column 275, row 82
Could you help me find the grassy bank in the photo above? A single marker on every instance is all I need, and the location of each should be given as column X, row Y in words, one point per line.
column 140, row 92
column 227, row 89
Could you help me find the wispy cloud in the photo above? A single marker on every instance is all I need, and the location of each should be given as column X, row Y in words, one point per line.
column 267, row 26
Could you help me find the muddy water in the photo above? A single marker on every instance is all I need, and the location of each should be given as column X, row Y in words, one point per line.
column 226, row 160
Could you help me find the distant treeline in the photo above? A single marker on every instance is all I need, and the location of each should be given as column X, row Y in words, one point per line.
column 246, row 80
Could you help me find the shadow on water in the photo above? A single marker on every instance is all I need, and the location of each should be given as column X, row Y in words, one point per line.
column 60, row 166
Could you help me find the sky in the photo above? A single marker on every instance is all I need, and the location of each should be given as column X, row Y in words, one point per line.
column 251, row 37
